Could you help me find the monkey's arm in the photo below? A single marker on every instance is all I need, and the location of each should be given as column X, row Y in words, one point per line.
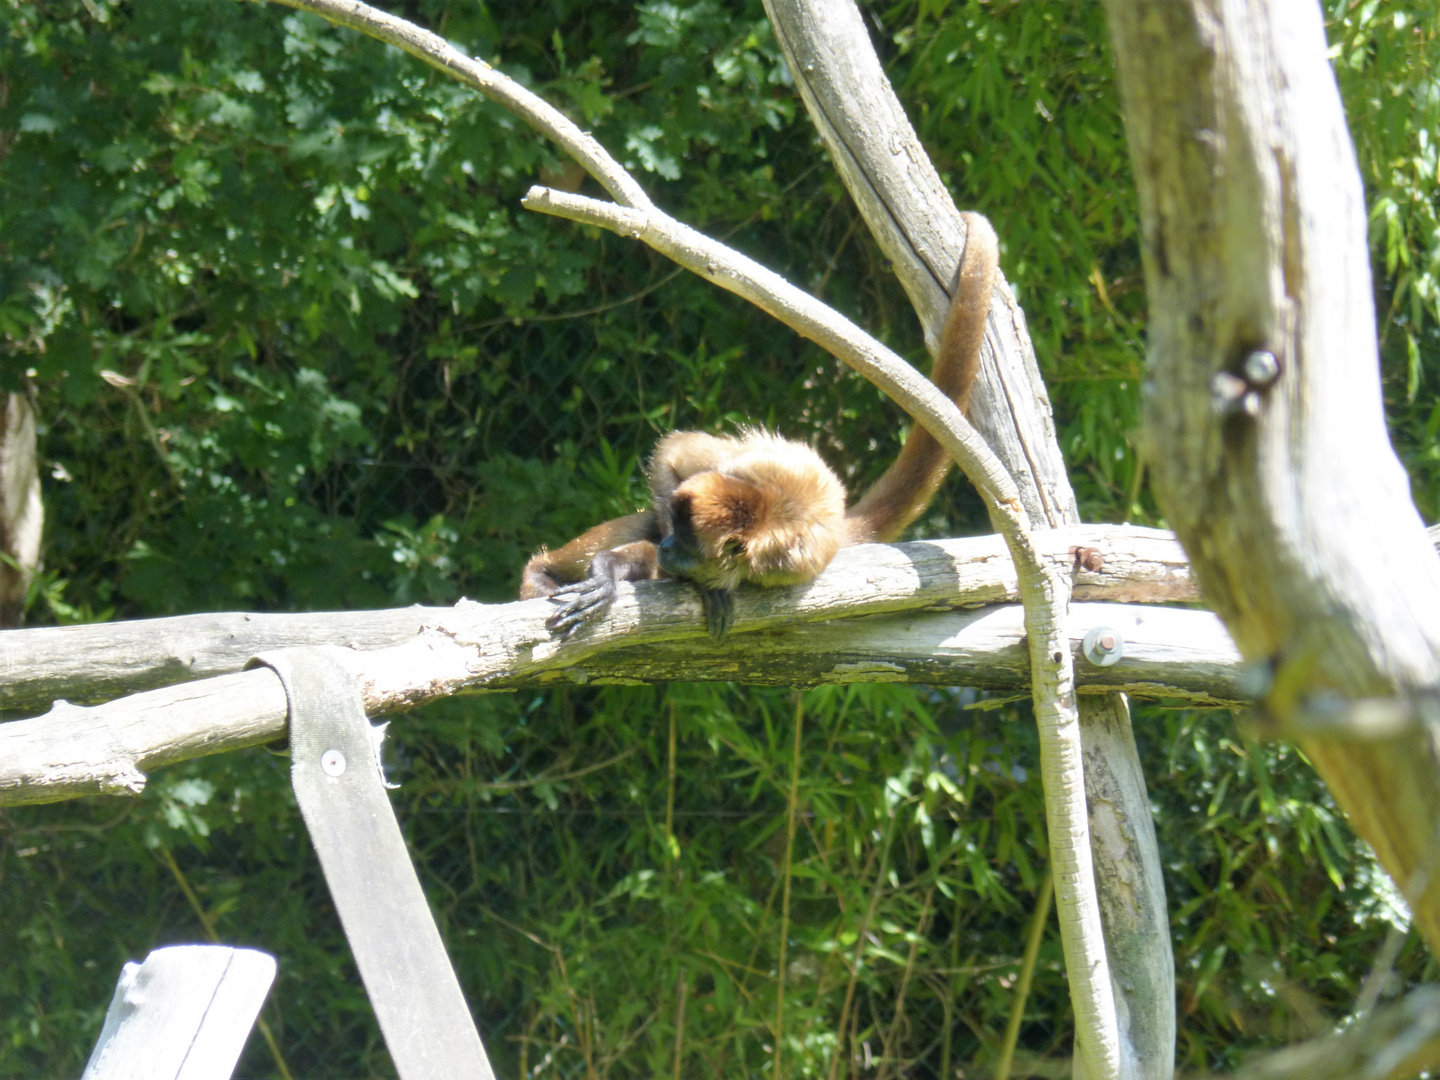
column 549, row 570
column 580, row 577
column 584, row 600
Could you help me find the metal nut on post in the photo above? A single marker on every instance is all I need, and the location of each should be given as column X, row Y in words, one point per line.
column 1103, row 646
column 1261, row 368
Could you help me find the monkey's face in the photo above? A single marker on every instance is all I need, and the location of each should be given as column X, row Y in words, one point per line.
column 710, row 516
column 725, row 530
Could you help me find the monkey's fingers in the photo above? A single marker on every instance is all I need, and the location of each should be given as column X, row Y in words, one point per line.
column 577, row 604
column 719, row 611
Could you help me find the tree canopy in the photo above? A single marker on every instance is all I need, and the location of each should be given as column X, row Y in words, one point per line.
column 294, row 345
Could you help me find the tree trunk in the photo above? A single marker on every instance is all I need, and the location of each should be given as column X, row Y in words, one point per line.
column 1264, row 413
column 21, row 513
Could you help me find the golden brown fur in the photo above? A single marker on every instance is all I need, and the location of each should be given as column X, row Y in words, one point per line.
column 758, row 508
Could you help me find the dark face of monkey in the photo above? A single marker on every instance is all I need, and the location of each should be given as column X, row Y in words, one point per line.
column 680, row 554
column 711, row 516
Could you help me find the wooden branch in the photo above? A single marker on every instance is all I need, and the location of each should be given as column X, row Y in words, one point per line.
column 99, row 661
column 1269, row 446
column 911, row 215
column 73, row 751
column 1396, row 1041
column 1171, row 653
column 783, row 637
column 22, row 514
column 184, row 1014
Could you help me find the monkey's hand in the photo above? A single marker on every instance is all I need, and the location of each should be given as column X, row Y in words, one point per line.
column 719, row 611
column 588, row 598
column 578, row 603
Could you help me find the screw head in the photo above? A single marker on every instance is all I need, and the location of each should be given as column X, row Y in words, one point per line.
column 1103, row 646
column 1261, row 367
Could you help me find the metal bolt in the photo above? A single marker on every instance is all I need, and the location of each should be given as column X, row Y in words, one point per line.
column 332, row 763
column 1261, row 368
column 1103, row 646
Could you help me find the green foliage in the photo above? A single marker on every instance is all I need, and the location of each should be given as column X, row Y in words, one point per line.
column 1029, row 88
column 295, row 346
column 597, row 903
column 1386, row 57
column 1277, row 911
column 575, row 919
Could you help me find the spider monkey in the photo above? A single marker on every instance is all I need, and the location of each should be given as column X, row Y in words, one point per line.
column 760, row 508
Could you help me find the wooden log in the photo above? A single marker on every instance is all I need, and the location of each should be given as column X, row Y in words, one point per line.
column 108, row 749
column 101, row 661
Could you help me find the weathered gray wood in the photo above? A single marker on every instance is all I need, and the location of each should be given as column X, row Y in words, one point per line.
column 1136, row 921
column 73, row 751
column 184, row 1014
column 1169, row 653
column 1397, row 1041
column 77, row 751
column 99, row 661
column 910, row 213
column 1267, row 432
column 22, row 514
column 104, row 660
column 339, row 786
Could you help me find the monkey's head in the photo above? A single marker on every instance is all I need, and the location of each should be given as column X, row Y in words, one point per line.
column 726, row 529
column 711, row 516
